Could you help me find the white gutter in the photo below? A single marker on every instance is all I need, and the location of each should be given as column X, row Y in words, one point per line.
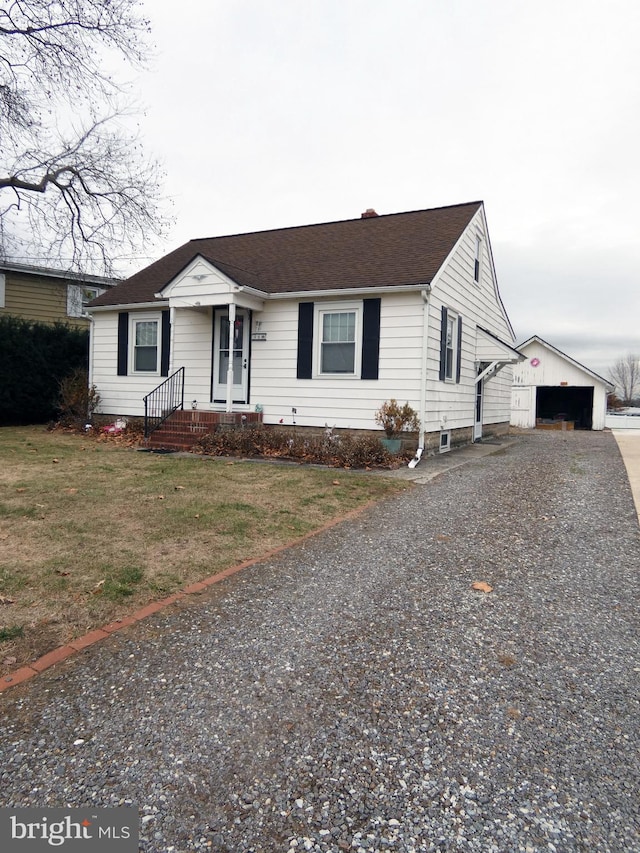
column 336, row 292
column 426, row 293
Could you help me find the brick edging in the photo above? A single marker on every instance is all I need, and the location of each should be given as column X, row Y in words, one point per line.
column 97, row 635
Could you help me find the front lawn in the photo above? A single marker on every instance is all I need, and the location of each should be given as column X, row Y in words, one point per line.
column 90, row 530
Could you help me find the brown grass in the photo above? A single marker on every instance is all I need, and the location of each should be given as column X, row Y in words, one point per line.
column 90, row 530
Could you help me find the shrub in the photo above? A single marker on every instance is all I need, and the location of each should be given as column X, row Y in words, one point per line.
column 34, row 358
column 339, row 450
column 394, row 418
column 77, row 401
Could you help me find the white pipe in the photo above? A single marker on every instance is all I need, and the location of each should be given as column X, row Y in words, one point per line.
column 232, row 321
column 426, row 293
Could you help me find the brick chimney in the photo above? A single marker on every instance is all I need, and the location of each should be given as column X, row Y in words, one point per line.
column 368, row 214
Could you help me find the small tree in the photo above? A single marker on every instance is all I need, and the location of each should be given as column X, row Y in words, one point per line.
column 625, row 375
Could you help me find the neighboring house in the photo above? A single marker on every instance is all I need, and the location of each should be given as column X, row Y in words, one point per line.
column 318, row 325
column 552, row 389
column 48, row 295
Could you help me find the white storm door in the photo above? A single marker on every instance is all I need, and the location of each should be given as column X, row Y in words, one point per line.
column 477, row 418
column 232, row 345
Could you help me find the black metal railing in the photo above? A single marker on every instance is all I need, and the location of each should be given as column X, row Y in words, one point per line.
column 163, row 401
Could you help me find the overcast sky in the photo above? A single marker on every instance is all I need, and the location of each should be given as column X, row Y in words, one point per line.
column 301, row 111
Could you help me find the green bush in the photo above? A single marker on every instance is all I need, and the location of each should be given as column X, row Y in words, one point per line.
column 34, row 359
column 340, row 450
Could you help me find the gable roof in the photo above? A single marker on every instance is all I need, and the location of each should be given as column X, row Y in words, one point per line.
column 537, row 339
column 376, row 251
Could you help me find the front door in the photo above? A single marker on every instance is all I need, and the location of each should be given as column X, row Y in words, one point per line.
column 230, row 345
column 477, row 420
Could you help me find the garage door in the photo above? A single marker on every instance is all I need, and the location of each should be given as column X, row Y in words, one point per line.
column 565, row 403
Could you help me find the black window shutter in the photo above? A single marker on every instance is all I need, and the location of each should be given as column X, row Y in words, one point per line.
column 459, row 354
column 123, row 342
column 443, row 344
column 305, row 340
column 370, row 338
column 166, row 342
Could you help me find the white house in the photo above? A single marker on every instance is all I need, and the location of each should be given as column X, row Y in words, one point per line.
column 550, row 387
column 318, row 325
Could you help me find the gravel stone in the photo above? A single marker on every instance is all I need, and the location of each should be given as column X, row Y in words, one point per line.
column 354, row 693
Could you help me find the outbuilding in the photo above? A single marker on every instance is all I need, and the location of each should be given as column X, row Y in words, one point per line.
column 551, row 390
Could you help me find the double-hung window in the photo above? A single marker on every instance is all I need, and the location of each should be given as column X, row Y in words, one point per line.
column 450, row 346
column 339, row 340
column 145, row 345
column 450, row 355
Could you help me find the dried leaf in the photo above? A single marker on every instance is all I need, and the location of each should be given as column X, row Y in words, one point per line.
column 71, row 491
column 160, row 497
column 482, row 586
column 197, row 515
column 9, row 661
column 56, row 460
column 179, row 488
column 21, row 490
column 6, row 600
column 62, row 574
column 97, row 588
column 336, row 483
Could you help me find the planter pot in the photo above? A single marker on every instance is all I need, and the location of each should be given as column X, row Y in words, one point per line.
column 393, row 445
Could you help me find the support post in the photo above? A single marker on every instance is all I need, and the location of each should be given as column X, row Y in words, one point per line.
column 232, row 323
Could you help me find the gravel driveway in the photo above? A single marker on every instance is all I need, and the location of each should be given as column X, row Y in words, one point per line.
column 355, row 693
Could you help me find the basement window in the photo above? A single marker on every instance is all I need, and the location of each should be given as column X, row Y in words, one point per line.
column 445, row 441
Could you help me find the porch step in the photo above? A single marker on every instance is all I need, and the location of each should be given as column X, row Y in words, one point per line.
column 185, row 428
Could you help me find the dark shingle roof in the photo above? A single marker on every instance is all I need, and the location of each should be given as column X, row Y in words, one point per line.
column 377, row 251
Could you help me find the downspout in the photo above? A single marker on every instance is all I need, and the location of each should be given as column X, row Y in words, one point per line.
column 92, row 341
column 172, row 327
column 426, row 294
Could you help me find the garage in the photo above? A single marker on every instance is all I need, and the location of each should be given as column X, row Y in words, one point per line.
column 551, row 390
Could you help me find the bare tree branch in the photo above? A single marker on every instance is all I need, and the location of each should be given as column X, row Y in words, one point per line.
column 87, row 192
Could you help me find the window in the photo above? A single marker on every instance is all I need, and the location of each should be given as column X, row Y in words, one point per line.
column 145, row 346
column 450, row 350
column 338, row 342
column 144, row 343
column 445, row 441
column 450, row 346
column 338, row 337
column 78, row 297
column 477, row 264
